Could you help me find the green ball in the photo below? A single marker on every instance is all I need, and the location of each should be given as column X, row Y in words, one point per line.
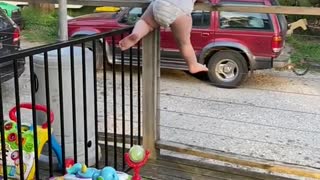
column 136, row 154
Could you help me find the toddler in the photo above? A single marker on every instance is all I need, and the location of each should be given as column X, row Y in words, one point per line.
column 175, row 14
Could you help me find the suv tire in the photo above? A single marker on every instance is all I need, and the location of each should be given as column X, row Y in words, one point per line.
column 227, row 68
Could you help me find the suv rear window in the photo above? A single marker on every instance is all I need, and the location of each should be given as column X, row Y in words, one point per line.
column 239, row 20
column 282, row 19
column 4, row 22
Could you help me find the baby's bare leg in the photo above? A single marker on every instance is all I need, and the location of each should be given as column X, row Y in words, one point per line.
column 143, row 26
column 181, row 29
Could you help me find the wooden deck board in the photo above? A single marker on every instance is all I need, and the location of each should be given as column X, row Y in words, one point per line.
column 173, row 168
column 168, row 168
column 163, row 170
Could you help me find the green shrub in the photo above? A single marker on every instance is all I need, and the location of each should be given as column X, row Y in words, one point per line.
column 304, row 46
column 40, row 26
column 302, row 3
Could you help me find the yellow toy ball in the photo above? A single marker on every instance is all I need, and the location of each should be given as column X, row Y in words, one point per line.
column 136, row 153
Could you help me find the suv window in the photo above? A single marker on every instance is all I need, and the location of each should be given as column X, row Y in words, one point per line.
column 235, row 20
column 201, row 19
column 4, row 22
column 238, row 20
column 133, row 16
column 281, row 18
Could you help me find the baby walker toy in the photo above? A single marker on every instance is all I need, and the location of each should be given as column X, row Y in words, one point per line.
column 12, row 149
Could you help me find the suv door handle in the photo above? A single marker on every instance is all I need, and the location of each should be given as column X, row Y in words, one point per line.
column 205, row 34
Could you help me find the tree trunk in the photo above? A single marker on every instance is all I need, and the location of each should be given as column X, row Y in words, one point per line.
column 34, row 4
column 45, row 7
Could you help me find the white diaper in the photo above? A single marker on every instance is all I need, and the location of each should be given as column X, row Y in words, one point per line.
column 165, row 13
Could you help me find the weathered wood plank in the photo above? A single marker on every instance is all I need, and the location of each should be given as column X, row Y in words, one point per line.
column 269, row 166
column 168, row 167
column 158, row 168
column 181, row 169
column 151, row 89
column 172, row 168
column 261, row 9
column 220, row 168
column 313, row 11
column 124, row 3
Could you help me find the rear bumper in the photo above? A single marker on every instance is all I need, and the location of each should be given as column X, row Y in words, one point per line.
column 263, row 63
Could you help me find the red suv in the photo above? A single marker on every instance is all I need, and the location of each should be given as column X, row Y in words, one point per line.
column 229, row 43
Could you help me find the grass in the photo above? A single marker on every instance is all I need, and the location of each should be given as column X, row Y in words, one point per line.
column 43, row 27
column 40, row 26
column 305, row 46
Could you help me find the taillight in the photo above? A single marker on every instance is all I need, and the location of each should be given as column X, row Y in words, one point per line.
column 16, row 35
column 277, row 43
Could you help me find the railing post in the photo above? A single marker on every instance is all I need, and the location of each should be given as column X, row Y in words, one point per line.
column 150, row 96
column 63, row 21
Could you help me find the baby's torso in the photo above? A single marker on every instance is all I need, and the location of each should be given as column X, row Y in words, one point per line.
column 185, row 5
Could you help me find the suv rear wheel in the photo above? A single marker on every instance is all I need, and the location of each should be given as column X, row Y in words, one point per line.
column 227, row 69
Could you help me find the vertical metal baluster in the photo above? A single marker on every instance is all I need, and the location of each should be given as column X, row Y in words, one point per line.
column 3, row 143
column 139, row 94
column 84, row 102
column 61, row 108
column 123, row 109
column 95, row 100
column 46, row 72
column 114, row 102
column 34, row 117
column 131, row 101
column 105, row 102
column 73, row 94
column 16, row 87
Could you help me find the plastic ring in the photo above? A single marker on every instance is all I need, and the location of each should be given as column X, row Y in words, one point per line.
column 12, row 137
column 8, row 126
column 13, row 117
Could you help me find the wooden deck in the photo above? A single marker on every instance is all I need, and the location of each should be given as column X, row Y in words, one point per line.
column 170, row 168
column 173, row 168
column 177, row 169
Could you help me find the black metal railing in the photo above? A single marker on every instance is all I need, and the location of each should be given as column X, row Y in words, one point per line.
column 107, row 89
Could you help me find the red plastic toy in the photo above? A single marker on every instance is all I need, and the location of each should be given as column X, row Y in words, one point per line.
column 137, row 166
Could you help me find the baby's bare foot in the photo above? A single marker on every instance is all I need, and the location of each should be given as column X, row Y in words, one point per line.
column 196, row 68
column 128, row 42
